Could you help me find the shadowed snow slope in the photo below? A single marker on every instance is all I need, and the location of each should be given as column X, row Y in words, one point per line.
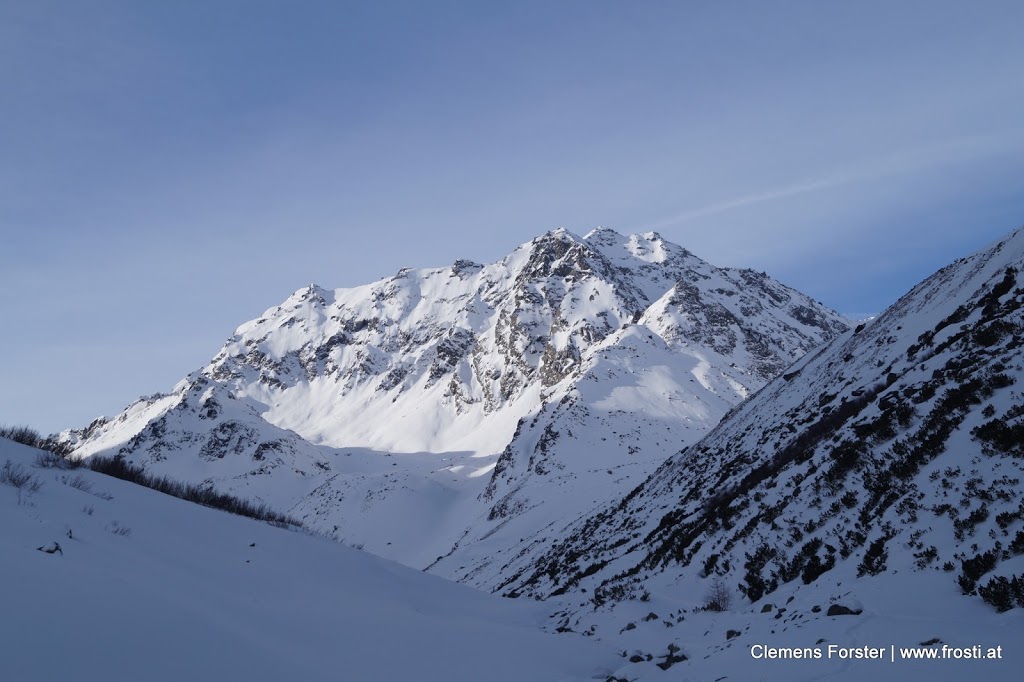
column 148, row 587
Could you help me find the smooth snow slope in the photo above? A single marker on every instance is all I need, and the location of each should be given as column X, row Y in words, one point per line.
column 185, row 596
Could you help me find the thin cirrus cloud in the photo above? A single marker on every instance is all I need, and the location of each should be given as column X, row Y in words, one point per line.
column 905, row 162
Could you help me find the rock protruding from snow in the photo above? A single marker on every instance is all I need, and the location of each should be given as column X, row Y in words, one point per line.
column 553, row 379
column 895, row 449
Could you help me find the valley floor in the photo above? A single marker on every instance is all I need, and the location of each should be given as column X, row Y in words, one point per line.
column 149, row 587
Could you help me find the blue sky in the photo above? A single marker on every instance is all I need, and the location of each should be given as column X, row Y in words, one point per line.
column 170, row 170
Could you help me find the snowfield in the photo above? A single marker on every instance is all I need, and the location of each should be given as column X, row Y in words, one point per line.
column 190, row 593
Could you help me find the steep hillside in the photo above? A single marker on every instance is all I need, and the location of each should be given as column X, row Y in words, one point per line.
column 201, row 433
column 474, row 402
column 869, row 497
column 891, row 457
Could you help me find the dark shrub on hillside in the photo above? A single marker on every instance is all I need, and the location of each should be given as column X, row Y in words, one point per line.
column 875, row 557
column 756, row 586
column 816, row 566
column 17, row 476
column 718, row 597
column 1017, row 544
column 974, row 568
column 1001, row 436
column 806, row 564
column 845, row 457
column 22, row 434
column 1003, row 593
column 207, row 496
column 49, row 460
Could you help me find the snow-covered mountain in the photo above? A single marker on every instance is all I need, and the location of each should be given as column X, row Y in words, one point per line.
column 863, row 508
column 880, row 474
column 427, row 412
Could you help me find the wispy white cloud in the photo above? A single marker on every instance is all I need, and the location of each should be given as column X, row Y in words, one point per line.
column 906, row 161
column 748, row 200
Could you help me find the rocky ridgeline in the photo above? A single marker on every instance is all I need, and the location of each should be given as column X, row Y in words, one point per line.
column 894, row 449
column 565, row 372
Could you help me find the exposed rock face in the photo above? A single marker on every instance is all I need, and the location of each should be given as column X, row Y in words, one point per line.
column 571, row 367
column 894, row 449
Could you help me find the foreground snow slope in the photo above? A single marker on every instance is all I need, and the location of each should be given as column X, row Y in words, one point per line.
column 922, row 612
column 190, row 593
column 456, row 412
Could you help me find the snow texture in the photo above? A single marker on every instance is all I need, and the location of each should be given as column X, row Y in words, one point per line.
column 440, row 417
column 881, row 472
column 149, row 587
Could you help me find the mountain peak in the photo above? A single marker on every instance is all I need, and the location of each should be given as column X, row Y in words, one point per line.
column 839, row 468
column 445, row 362
column 311, row 292
column 559, row 233
column 604, row 234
